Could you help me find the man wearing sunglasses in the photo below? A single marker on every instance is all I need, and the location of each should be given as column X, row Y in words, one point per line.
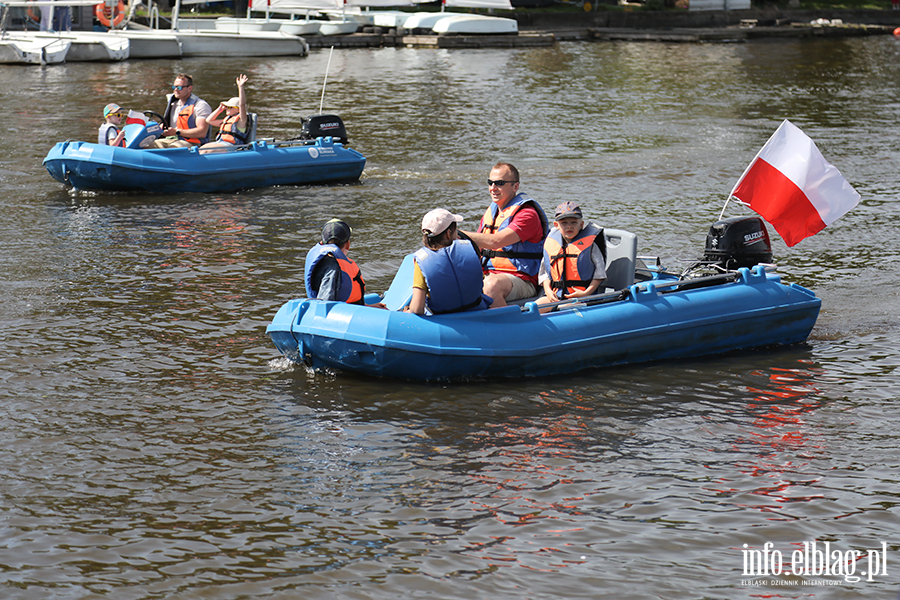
column 185, row 117
column 511, row 237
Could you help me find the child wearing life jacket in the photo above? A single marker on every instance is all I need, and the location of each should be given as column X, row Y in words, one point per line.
column 110, row 133
column 234, row 126
column 574, row 264
column 447, row 276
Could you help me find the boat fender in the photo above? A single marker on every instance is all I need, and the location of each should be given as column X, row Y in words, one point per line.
column 110, row 16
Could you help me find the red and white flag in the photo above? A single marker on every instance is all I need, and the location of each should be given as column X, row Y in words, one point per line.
column 793, row 187
column 135, row 118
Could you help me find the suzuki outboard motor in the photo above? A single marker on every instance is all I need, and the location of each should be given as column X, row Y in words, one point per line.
column 738, row 242
column 318, row 126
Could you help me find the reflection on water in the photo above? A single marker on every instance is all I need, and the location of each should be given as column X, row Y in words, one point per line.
column 157, row 446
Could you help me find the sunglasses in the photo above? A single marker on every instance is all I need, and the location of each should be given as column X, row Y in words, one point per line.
column 499, row 182
column 180, row 87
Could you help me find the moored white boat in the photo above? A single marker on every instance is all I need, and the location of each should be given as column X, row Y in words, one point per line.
column 475, row 24
column 203, row 42
column 255, row 43
column 464, row 23
column 337, row 23
column 29, row 50
column 151, row 43
column 238, row 25
column 89, row 46
column 388, row 18
column 424, row 21
column 300, row 27
column 333, row 27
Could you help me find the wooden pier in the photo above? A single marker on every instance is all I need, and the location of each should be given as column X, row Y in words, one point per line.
column 376, row 38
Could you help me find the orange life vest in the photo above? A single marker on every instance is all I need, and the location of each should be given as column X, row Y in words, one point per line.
column 521, row 257
column 230, row 133
column 353, row 288
column 569, row 264
column 188, row 120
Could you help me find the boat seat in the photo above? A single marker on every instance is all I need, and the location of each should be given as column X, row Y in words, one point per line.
column 621, row 256
column 251, row 131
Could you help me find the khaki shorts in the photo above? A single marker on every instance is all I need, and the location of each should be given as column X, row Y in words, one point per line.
column 520, row 288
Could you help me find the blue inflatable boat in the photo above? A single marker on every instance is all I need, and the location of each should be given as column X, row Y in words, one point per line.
column 657, row 316
column 261, row 163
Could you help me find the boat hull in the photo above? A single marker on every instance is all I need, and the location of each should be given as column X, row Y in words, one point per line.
column 475, row 24
column 90, row 46
column 647, row 325
column 251, row 43
column 147, row 43
column 28, row 50
column 96, row 167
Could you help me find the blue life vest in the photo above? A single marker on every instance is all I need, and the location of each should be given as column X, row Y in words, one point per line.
column 454, row 278
column 353, row 288
column 521, row 257
column 104, row 137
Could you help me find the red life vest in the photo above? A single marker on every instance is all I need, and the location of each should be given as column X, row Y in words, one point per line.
column 569, row 264
column 230, row 133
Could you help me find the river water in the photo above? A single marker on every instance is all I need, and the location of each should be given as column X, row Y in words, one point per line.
column 156, row 446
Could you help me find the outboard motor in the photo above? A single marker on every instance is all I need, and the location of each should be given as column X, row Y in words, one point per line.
column 738, row 242
column 318, row 126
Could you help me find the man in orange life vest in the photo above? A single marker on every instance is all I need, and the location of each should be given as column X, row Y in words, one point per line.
column 329, row 273
column 234, row 126
column 185, row 116
column 511, row 237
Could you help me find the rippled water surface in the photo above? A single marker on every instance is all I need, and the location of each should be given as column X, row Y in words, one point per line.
column 156, row 446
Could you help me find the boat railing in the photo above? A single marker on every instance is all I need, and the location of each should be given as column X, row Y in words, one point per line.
column 270, row 142
column 661, row 285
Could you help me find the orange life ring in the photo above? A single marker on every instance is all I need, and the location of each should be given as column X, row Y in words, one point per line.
column 110, row 17
column 33, row 15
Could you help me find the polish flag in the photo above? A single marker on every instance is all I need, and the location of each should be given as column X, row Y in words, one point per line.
column 793, row 187
column 135, row 118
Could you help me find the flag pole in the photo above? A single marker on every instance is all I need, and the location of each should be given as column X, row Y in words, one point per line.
column 324, row 83
column 727, row 200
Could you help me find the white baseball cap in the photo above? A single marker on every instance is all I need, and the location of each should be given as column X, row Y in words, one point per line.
column 438, row 220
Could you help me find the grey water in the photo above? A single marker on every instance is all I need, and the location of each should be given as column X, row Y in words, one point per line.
column 154, row 445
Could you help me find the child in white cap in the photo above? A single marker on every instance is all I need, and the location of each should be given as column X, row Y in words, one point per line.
column 234, row 126
column 447, row 276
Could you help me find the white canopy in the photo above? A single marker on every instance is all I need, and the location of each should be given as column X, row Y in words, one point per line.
column 500, row 4
column 384, row 2
column 291, row 6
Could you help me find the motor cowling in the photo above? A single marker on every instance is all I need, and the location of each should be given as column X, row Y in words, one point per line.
column 318, row 126
column 738, row 242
